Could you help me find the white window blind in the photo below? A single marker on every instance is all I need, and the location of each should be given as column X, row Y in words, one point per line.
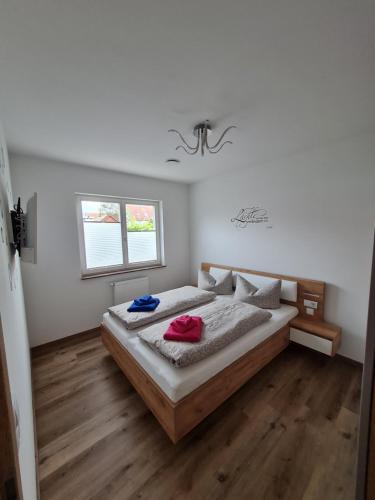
column 141, row 233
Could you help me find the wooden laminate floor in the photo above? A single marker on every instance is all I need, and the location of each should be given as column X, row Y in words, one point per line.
column 289, row 433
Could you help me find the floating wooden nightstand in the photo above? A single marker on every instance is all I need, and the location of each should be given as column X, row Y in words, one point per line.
column 317, row 335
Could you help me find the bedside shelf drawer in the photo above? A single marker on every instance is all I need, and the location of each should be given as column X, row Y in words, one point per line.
column 311, row 340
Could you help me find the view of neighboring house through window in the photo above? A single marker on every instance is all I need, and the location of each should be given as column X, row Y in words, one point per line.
column 141, row 232
column 118, row 233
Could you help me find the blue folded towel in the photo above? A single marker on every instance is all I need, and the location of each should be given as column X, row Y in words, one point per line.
column 144, row 303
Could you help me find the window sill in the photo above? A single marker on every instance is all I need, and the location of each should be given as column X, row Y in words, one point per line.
column 123, row 271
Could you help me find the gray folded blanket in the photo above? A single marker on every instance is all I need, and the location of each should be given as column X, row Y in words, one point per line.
column 171, row 302
column 224, row 322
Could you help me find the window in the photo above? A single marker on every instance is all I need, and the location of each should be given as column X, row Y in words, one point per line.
column 118, row 234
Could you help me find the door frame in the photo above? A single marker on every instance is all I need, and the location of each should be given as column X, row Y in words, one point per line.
column 365, row 485
column 8, row 419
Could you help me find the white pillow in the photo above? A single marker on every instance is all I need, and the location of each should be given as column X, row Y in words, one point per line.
column 289, row 289
column 243, row 289
column 267, row 297
column 221, row 285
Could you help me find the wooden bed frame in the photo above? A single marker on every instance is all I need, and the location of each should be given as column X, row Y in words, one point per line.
column 177, row 419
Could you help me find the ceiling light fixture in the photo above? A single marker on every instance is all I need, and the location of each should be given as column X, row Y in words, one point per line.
column 201, row 131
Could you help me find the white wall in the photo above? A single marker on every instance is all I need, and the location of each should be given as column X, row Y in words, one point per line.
column 13, row 320
column 322, row 211
column 58, row 302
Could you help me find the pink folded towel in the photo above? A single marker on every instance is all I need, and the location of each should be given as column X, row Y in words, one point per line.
column 185, row 329
column 183, row 323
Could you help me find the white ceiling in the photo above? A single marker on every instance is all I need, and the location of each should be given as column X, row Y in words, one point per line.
column 100, row 82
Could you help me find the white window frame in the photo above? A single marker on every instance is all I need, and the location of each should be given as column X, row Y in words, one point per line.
column 126, row 266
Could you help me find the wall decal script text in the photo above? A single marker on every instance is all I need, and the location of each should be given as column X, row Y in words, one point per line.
column 251, row 215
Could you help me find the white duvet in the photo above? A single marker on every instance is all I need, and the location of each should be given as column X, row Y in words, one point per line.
column 171, row 302
column 224, row 322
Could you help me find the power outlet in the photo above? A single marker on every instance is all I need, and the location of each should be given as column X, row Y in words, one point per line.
column 310, row 303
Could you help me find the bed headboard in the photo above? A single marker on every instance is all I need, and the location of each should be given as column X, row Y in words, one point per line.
column 306, row 289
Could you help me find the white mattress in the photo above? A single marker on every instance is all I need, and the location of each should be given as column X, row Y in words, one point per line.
column 176, row 383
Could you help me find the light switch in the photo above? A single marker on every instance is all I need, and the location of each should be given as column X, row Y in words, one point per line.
column 310, row 303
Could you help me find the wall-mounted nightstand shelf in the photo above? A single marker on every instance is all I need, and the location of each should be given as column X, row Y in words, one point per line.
column 318, row 335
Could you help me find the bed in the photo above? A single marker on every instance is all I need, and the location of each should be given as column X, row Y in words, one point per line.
column 180, row 398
